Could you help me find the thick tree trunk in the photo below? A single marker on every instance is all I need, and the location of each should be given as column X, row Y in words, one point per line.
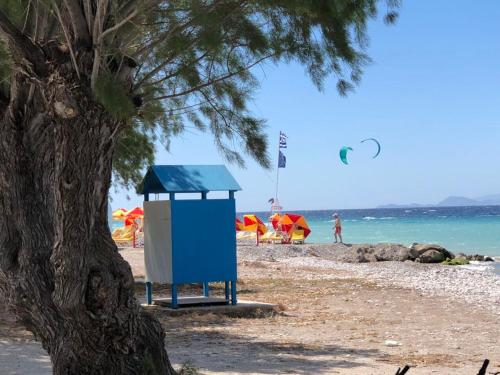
column 60, row 271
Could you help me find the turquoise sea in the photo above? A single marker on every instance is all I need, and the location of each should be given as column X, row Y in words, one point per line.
column 460, row 229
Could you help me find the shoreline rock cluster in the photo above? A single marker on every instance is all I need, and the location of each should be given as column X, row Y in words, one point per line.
column 360, row 253
column 417, row 252
column 476, row 257
column 429, row 253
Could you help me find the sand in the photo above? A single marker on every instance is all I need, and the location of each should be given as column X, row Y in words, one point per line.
column 335, row 318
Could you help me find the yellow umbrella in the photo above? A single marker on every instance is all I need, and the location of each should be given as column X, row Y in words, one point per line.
column 119, row 214
column 254, row 224
column 239, row 225
column 291, row 221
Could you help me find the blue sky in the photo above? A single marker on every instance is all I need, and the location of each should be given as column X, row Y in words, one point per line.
column 431, row 97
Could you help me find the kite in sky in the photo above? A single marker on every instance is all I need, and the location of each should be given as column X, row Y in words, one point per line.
column 378, row 145
column 343, row 154
column 345, row 149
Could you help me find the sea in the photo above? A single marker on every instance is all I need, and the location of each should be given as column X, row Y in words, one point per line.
column 471, row 230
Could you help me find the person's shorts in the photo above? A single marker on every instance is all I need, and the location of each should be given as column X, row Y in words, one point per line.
column 338, row 230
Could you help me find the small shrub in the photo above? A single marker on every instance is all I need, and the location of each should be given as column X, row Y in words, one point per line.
column 455, row 262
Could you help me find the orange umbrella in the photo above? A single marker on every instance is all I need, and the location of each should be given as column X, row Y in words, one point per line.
column 290, row 221
column 239, row 225
column 254, row 224
column 275, row 219
column 135, row 213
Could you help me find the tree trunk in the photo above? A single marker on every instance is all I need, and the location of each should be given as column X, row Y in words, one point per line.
column 60, row 270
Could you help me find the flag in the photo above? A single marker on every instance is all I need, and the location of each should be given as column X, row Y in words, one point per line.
column 281, row 160
column 282, row 140
column 271, row 200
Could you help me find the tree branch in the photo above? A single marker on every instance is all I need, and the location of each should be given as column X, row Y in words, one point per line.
column 100, row 17
column 66, row 35
column 78, row 21
column 179, row 27
column 89, row 15
column 156, row 70
column 21, row 48
column 117, row 26
column 213, row 81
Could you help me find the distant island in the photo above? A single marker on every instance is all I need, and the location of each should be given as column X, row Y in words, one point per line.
column 452, row 201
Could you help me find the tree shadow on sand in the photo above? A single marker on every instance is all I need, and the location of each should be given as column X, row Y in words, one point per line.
column 23, row 357
column 224, row 352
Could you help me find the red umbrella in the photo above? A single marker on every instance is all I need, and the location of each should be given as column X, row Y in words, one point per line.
column 253, row 223
column 290, row 221
column 275, row 219
column 135, row 213
column 239, row 225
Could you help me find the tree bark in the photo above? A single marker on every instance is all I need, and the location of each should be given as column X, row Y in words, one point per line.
column 60, row 270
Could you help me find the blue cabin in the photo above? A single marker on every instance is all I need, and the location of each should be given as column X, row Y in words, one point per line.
column 190, row 240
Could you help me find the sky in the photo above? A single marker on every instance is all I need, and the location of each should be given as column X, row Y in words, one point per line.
column 431, row 97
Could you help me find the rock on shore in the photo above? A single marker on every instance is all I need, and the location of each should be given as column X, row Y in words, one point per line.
column 352, row 253
column 477, row 257
column 429, row 253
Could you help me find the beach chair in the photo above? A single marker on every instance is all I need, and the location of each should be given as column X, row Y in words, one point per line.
column 124, row 236
column 298, row 236
column 266, row 237
column 245, row 235
column 276, row 237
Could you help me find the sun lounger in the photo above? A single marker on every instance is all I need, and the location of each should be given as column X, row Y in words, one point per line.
column 276, row 238
column 245, row 235
column 266, row 237
column 123, row 234
column 271, row 237
column 297, row 236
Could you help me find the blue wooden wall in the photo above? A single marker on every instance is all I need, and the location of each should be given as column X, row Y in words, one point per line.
column 203, row 240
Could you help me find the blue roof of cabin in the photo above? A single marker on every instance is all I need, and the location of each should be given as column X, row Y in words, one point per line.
column 188, row 179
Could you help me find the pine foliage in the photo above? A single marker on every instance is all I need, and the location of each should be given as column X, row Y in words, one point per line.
column 115, row 97
column 163, row 67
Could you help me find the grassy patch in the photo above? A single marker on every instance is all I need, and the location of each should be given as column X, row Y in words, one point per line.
column 455, row 262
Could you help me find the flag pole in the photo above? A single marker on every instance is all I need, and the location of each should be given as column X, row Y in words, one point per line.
column 277, row 172
column 281, row 164
column 277, row 179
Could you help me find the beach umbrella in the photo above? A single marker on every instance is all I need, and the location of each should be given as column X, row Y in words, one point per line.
column 275, row 219
column 254, row 224
column 239, row 225
column 289, row 221
column 129, row 222
column 119, row 214
column 135, row 213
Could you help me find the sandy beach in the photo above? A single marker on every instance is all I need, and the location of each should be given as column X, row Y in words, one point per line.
column 332, row 317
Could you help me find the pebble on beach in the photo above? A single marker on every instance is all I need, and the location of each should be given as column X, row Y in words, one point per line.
column 475, row 284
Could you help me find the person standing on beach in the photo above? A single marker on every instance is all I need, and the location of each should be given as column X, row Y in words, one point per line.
column 337, row 227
